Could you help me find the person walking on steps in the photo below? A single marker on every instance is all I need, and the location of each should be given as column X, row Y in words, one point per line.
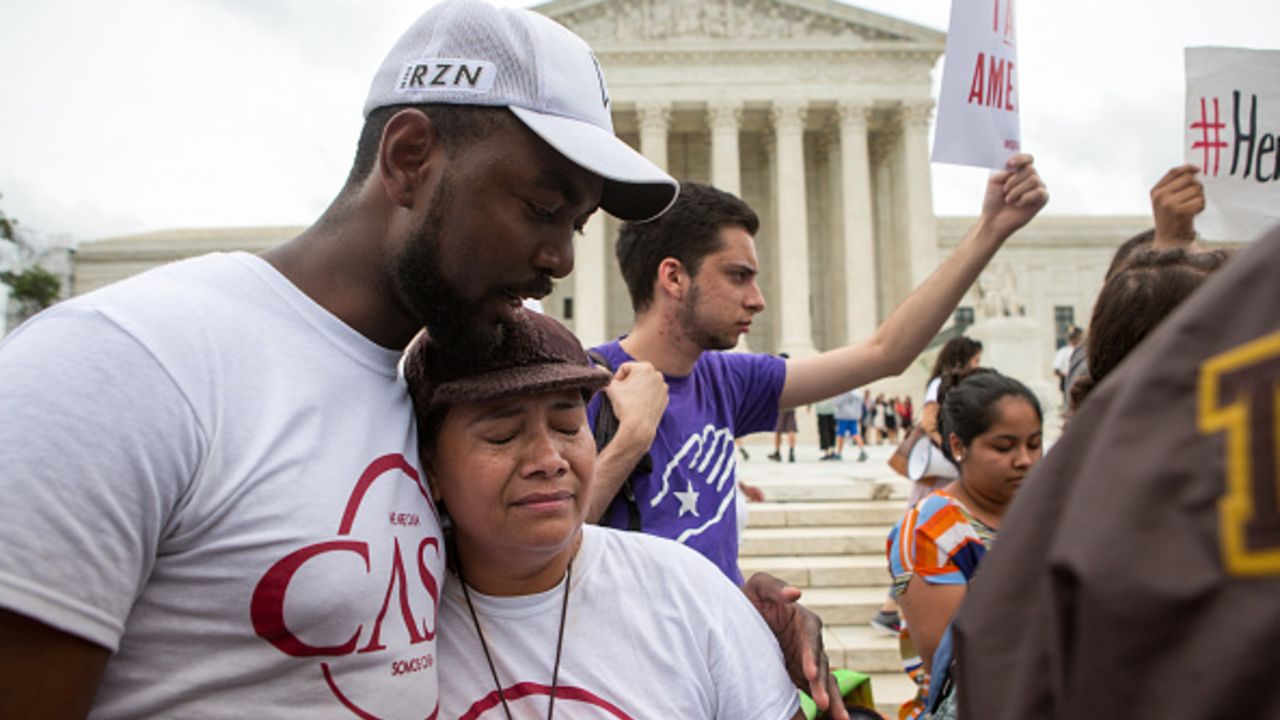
column 849, row 407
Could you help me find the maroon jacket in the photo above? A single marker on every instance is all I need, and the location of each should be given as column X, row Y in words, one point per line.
column 1138, row 571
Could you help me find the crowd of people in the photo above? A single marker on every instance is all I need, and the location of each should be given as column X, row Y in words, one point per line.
column 1051, row 629
column 253, row 484
column 864, row 421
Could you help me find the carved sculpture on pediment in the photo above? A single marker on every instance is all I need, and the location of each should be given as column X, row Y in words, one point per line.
column 655, row 20
column 688, row 20
column 630, row 20
column 715, row 18
column 641, row 20
column 998, row 293
column 775, row 25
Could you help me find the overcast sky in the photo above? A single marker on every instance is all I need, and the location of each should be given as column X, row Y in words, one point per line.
column 136, row 115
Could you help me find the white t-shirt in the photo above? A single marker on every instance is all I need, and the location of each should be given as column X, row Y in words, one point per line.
column 849, row 405
column 931, row 390
column 212, row 476
column 653, row 630
column 1062, row 359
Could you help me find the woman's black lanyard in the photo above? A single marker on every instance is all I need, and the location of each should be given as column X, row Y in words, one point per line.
column 493, row 671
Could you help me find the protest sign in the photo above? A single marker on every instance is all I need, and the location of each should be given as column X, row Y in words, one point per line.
column 1233, row 135
column 978, row 104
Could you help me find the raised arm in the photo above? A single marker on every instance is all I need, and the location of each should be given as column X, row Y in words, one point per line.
column 1175, row 202
column 639, row 397
column 1013, row 197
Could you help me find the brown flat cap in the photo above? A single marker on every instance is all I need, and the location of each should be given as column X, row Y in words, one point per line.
column 537, row 355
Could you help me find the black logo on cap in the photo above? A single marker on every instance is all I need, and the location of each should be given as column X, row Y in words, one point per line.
column 604, row 92
column 441, row 75
column 447, row 75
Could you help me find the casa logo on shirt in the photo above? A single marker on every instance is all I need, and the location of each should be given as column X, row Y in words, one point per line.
column 530, row 700
column 363, row 604
column 696, row 486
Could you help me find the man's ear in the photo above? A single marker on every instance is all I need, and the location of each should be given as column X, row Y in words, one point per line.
column 410, row 144
column 673, row 280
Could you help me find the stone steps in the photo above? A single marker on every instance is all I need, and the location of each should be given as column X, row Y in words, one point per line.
column 844, row 513
column 891, row 690
column 813, row 541
column 823, row 529
column 781, row 488
column 812, row 571
column 862, row 647
column 845, row 605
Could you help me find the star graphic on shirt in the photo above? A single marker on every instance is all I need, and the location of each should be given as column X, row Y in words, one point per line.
column 688, row 501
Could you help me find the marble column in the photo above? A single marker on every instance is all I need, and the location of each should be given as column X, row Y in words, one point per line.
column 590, row 269
column 724, row 118
column 796, row 337
column 654, row 120
column 892, row 270
column 830, row 307
column 858, row 222
column 921, row 230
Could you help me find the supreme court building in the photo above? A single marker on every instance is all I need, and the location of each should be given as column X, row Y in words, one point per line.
column 815, row 112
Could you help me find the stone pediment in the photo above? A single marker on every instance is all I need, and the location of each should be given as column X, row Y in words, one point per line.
column 611, row 23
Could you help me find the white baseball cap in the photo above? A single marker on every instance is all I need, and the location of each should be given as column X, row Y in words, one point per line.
column 468, row 52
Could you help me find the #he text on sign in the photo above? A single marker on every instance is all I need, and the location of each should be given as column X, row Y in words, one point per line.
column 1233, row 135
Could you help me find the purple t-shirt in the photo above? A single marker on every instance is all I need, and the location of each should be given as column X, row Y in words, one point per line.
column 689, row 495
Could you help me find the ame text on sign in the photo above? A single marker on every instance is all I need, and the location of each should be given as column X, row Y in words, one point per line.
column 978, row 106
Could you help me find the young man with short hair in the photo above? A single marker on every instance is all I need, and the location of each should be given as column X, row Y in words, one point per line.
column 692, row 279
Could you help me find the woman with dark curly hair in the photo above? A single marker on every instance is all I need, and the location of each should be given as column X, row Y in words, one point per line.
column 958, row 354
column 1134, row 300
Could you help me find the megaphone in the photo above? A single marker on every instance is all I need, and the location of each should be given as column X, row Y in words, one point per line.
column 927, row 460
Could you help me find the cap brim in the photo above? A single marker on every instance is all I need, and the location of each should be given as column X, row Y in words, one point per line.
column 522, row 380
column 634, row 188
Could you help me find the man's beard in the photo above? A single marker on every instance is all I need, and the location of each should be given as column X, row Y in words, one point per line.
column 694, row 329
column 452, row 320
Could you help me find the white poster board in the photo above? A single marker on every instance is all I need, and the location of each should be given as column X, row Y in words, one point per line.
column 978, row 105
column 1233, row 136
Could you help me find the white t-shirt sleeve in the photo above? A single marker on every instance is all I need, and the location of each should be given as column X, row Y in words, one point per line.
column 1062, row 359
column 98, row 448
column 931, row 390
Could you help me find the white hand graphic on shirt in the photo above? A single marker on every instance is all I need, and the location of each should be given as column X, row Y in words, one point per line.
column 709, row 455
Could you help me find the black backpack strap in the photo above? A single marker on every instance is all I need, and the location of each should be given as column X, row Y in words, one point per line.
column 606, row 426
